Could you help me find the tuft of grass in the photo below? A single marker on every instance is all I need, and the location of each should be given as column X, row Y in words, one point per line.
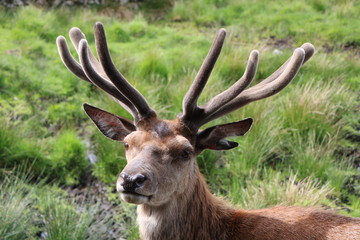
column 15, row 214
column 17, row 150
column 59, row 218
column 274, row 190
column 152, row 63
column 138, row 27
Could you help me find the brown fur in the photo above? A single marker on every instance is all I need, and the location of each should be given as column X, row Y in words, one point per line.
column 197, row 214
column 175, row 202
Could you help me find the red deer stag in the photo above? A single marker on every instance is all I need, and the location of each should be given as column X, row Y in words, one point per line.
column 162, row 176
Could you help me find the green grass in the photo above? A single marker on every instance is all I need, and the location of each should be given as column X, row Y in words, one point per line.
column 277, row 191
column 29, row 211
column 301, row 149
column 15, row 216
column 323, row 21
column 67, row 158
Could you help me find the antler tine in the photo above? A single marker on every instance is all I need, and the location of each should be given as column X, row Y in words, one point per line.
column 116, row 77
column 216, row 102
column 68, row 59
column 192, row 95
column 76, row 36
column 267, row 90
column 309, row 51
column 102, row 83
column 78, row 71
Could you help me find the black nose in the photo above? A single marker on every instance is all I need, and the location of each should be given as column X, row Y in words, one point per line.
column 132, row 182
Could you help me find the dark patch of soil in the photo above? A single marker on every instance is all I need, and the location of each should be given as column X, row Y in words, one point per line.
column 352, row 185
column 352, row 154
column 280, row 43
column 351, row 47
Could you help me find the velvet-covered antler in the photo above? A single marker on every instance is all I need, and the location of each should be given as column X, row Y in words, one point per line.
column 237, row 95
column 102, row 73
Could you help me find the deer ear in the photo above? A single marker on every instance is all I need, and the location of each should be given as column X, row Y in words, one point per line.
column 214, row 137
column 112, row 126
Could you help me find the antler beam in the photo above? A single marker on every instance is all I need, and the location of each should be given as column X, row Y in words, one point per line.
column 191, row 97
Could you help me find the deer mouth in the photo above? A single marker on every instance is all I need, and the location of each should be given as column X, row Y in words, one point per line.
column 135, row 198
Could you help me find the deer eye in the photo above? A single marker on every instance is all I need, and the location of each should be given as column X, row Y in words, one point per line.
column 126, row 145
column 185, row 155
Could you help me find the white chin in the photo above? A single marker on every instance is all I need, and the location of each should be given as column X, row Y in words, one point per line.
column 134, row 198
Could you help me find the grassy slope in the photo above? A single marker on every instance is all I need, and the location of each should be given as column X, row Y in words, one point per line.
column 298, row 151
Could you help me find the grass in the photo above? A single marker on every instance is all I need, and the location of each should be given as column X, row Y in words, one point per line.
column 301, row 149
column 15, row 214
column 33, row 211
column 277, row 191
column 298, row 20
column 28, row 211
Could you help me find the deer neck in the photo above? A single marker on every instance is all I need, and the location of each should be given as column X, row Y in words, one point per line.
column 195, row 214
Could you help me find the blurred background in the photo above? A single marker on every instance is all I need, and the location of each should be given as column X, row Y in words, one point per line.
column 58, row 173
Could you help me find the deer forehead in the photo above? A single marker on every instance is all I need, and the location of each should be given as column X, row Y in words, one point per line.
column 154, row 141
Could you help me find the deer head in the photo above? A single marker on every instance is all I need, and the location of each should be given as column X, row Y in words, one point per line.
column 161, row 153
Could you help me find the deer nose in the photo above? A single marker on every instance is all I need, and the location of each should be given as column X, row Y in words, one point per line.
column 131, row 182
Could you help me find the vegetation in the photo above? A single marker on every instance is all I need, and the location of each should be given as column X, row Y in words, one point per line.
column 39, row 211
column 301, row 150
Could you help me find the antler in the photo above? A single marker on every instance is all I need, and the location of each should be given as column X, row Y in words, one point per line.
column 236, row 96
column 103, row 73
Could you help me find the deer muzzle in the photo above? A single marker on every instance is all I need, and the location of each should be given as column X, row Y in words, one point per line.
column 135, row 185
